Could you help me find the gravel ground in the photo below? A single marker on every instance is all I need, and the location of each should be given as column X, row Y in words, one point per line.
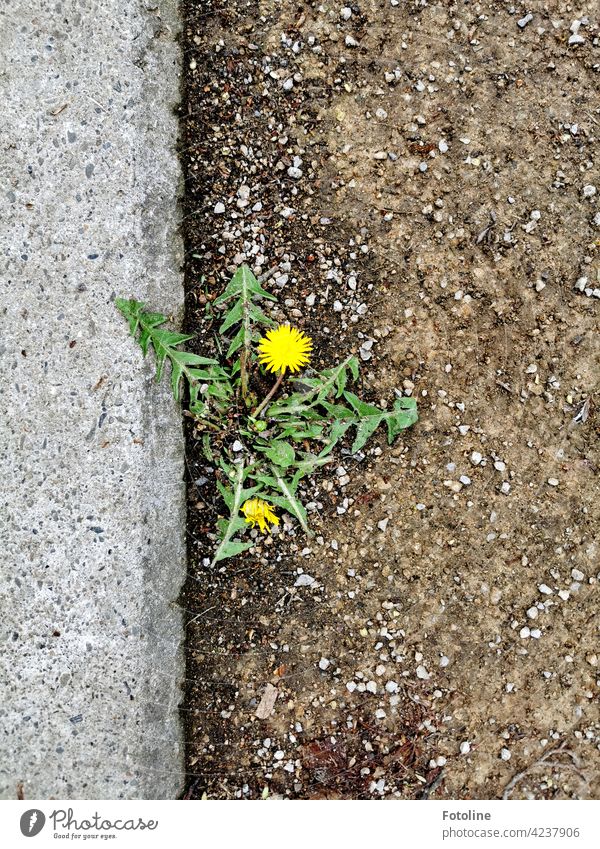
column 420, row 183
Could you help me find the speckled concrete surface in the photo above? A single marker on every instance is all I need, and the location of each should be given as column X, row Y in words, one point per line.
column 91, row 455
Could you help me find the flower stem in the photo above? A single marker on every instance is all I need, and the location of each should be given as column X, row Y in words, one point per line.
column 268, row 397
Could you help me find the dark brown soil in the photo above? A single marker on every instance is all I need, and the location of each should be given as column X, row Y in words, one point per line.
column 403, row 670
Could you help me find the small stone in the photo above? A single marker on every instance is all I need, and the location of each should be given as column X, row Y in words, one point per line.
column 524, row 633
column 380, row 713
column 505, row 754
column 577, row 575
column 422, row 673
column 443, row 146
column 345, row 13
column 532, row 613
column 219, row 208
column 545, row 589
column 476, row 458
column 552, row 481
column 237, row 446
column 589, row 191
column 383, row 524
column 536, row 633
column 304, row 580
column 465, row 747
column 324, row 663
column 351, row 686
column 564, row 594
column 500, row 466
column 371, row 687
column 522, row 22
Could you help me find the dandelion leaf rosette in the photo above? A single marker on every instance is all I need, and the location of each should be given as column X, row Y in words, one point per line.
column 261, row 458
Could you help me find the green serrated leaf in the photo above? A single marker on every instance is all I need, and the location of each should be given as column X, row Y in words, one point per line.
column 234, row 315
column 292, row 505
column 361, row 407
column 338, row 429
column 403, row 415
column 206, row 448
column 230, row 549
column 341, row 383
column 226, row 494
column 236, row 343
column 338, row 411
column 353, row 366
column 280, row 453
column 364, row 430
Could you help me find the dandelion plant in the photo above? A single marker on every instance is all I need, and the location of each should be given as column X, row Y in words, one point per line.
column 286, row 433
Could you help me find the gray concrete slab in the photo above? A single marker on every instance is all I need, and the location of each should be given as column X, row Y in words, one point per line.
column 91, row 450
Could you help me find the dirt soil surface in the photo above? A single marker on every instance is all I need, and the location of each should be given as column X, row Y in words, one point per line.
column 421, row 182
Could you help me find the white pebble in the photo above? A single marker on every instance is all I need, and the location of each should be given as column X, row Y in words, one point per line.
column 324, row 663
column 422, row 673
column 465, row 747
column 553, row 481
column 476, row 458
column 577, row 575
column 304, row 580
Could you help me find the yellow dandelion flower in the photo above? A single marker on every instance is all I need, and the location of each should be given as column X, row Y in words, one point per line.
column 258, row 512
column 284, row 348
